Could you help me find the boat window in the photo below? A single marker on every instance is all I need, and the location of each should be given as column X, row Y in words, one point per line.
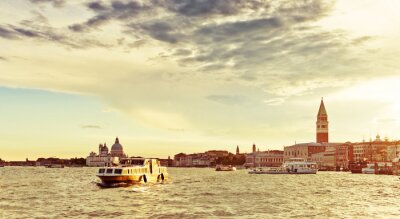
column 118, row 171
column 109, row 170
column 101, row 170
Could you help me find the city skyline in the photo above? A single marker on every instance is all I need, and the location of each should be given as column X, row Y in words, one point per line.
column 169, row 77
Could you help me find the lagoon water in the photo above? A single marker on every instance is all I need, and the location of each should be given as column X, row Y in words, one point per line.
column 37, row 192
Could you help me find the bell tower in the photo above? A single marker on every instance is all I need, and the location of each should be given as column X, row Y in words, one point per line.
column 322, row 124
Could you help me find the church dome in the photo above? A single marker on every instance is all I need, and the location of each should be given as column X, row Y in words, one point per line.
column 116, row 147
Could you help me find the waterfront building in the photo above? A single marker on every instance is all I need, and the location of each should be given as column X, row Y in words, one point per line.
column 344, row 154
column 303, row 150
column 306, row 150
column 217, row 153
column 377, row 150
column 192, row 160
column 393, row 150
column 208, row 158
column 269, row 158
column 326, row 159
column 180, row 160
column 328, row 155
column 166, row 162
column 106, row 158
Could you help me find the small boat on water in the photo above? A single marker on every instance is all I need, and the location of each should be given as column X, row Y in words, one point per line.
column 131, row 171
column 292, row 166
column 225, row 168
column 370, row 169
column 55, row 166
column 356, row 167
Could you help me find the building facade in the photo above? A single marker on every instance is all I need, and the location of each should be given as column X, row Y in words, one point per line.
column 104, row 157
column 325, row 160
column 269, row 158
column 304, row 150
column 377, row 150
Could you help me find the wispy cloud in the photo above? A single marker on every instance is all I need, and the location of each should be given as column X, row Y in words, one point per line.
column 91, row 127
column 228, row 99
column 55, row 3
column 274, row 102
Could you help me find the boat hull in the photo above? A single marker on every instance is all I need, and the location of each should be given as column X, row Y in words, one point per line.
column 132, row 179
column 118, row 179
column 356, row 167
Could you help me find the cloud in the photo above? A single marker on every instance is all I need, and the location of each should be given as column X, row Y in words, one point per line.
column 275, row 101
column 7, row 33
column 162, row 31
column 202, row 56
column 269, row 44
column 117, row 10
column 91, row 127
column 227, row 99
column 97, row 6
column 209, row 7
column 56, row 3
column 38, row 28
column 26, row 33
column 3, row 58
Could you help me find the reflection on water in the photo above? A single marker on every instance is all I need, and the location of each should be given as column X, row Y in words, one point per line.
column 36, row 192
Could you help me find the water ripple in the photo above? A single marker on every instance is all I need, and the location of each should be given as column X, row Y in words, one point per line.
column 197, row 193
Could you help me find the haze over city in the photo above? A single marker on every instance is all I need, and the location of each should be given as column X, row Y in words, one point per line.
column 168, row 76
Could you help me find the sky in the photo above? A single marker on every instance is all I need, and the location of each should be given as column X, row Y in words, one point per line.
column 170, row 76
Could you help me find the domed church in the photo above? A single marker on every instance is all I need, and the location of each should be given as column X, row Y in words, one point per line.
column 117, row 150
column 104, row 158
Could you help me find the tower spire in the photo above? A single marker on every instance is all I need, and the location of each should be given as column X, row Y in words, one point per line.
column 322, row 110
column 322, row 124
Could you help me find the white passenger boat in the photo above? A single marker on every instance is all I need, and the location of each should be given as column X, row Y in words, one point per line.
column 292, row 166
column 225, row 168
column 370, row 169
column 133, row 170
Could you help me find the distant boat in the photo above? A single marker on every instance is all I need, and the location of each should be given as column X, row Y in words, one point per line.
column 55, row 166
column 292, row 166
column 76, row 165
column 370, row 169
column 225, row 168
column 356, row 167
column 131, row 171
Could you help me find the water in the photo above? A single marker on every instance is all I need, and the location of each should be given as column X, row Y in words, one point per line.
column 36, row 192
